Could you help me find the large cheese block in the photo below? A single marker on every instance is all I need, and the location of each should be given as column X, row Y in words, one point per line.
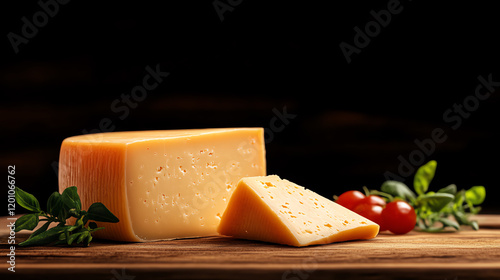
column 270, row 209
column 161, row 184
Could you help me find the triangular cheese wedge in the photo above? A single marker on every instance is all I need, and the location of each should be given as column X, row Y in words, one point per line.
column 274, row 210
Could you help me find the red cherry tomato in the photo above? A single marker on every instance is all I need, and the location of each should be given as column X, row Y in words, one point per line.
column 349, row 199
column 372, row 200
column 375, row 200
column 372, row 213
column 399, row 217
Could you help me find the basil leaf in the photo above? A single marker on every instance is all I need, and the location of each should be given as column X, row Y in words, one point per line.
column 87, row 240
column 461, row 218
column 46, row 237
column 99, row 213
column 60, row 207
column 62, row 236
column 41, row 229
column 96, row 229
column 421, row 223
column 85, row 219
column 82, row 236
column 27, row 200
column 435, row 201
column 92, row 225
column 74, row 213
column 54, row 204
column 28, row 221
column 424, row 176
column 451, row 189
column 73, row 237
column 459, row 200
column 397, row 189
column 60, row 242
column 474, row 225
column 449, row 223
column 63, row 213
column 475, row 210
column 71, row 199
column 475, row 195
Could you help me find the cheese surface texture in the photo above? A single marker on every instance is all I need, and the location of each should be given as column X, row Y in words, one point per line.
column 270, row 209
column 161, row 184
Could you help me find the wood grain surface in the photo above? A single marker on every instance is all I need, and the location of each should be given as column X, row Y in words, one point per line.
column 453, row 255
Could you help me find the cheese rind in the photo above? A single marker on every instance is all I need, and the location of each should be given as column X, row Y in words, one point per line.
column 161, row 184
column 270, row 209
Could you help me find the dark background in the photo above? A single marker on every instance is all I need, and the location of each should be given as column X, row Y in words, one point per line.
column 351, row 120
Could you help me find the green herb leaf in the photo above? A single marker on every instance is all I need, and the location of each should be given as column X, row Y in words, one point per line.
column 475, row 210
column 421, row 223
column 475, row 195
column 63, row 214
column 474, row 225
column 96, row 229
column 82, row 236
column 87, row 240
column 73, row 237
column 92, row 225
column 459, row 199
column 449, row 223
column 60, row 207
column 45, row 238
column 54, row 204
column 71, row 199
column 398, row 189
column 424, row 176
column 451, row 189
column 60, row 242
column 41, row 229
column 432, row 207
column 62, row 236
column 74, row 213
column 27, row 200
column 435, row 201
column 28, row 221
column 461, row 218
column 99, row 213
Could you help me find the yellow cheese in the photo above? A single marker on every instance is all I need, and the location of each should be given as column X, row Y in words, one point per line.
column 161, row 184
column 274, row 210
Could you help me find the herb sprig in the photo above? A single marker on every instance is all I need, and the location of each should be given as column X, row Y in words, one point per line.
column 434, row 209
column 60, row 207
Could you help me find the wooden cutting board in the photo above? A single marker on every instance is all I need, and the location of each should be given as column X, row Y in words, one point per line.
column 460, row 255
